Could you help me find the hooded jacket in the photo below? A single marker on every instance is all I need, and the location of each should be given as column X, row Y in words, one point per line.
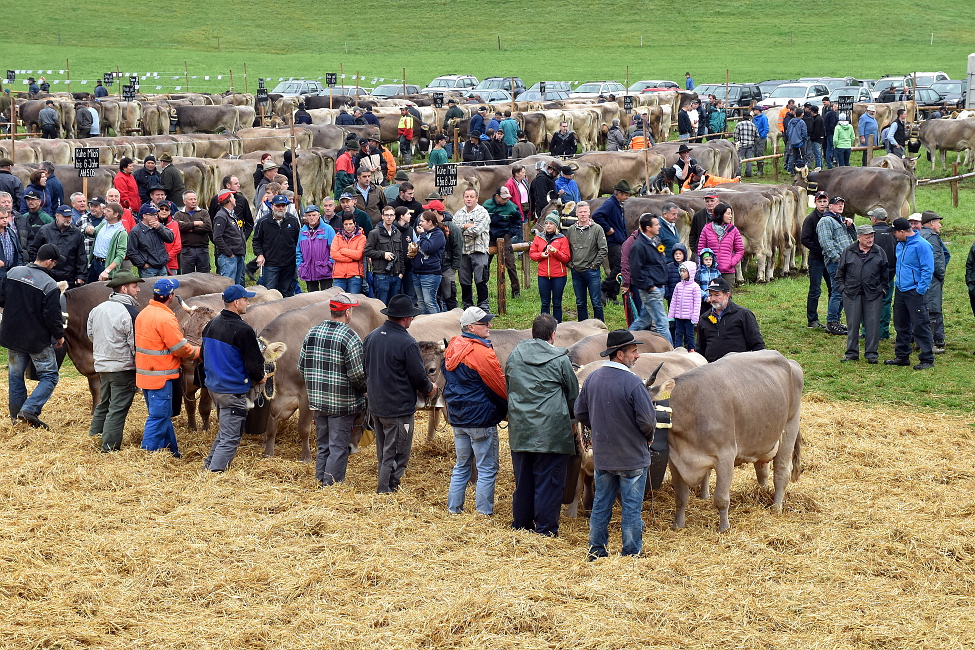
column 685, row 302
column 542, row 389
column 475, row 385
column 32, row 294
column 553, row 266
column 432, row 245
column 915, row 264
column 705, row 274
column 347, row 254
column 111, row 329
column 648, row 266
column 857, row 276
column 314, row 252
column 673, row 268
column 729, row 250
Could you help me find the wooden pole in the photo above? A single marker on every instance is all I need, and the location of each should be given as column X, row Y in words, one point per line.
column 67, row 70
column 13, row 128
column 502, row 288
column 118, row 82
column 526, row 262
column 869, row 149
column 186, row 73
column 404, row 82
column 246, row 90
column 231, row 82
column 84, row 186
column 456, row 144
column 512, row 88
column 727, row 80
column 357, row 88
column 954, row 184
column 294, row 163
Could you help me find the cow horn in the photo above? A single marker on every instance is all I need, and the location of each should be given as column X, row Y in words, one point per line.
column 186, row 307
column 653, row 376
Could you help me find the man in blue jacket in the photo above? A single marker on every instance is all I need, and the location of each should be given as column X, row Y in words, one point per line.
column 761, row 124
column 796, row 135
column 867, row 126
column 915, row 268
column 648, row 273
column 610, row 217
column 233, row 363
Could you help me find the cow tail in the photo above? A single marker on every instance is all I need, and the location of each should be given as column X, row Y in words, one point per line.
column 797, row 458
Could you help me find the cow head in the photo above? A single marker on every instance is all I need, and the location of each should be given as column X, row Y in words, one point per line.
column 272, row 351
column 432, row 354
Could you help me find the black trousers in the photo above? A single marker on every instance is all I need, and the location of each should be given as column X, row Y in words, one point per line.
column 611, row 286
column 539, row 483
column 911, row 320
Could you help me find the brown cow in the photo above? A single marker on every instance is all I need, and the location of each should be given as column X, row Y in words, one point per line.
column 587, row 349
column 742, row 425
column 942, row 136
column 865, row 188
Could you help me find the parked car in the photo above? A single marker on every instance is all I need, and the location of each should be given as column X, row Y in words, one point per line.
column 953, row 92
column 298, row 87
column 891, row 84
column 802, row 93
column 450, row 82
column 740, row 96
column 390, row 90
column 928, row 78
column 564, row 86
column 849, row 95
column 536, row 96
column 768, row 86
column 652, row 85
column 491, row 96
column 500, row 83
column 350, row 91
column 832, row 83
column 924, row 97
column 597, row 88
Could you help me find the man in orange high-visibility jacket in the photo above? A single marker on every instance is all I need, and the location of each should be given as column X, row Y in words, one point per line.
column 700, row 179
column 159, row 346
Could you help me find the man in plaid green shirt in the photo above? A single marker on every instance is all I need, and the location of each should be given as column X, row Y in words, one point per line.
column 331, row 363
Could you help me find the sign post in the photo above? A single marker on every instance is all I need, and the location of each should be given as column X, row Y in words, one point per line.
column 108, row 78
column 541, row 90
column 445, row 177
column 86, row 162
column 262, row 99
column 438, row 100
column 330, row 80
column 628, row 104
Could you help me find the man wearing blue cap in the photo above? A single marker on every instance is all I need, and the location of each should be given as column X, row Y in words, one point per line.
column 233, row 364
column 159, row 350
column 275, row 244
column 147, row 243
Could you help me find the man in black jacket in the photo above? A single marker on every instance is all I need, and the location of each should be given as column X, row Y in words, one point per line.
column 817, row 265
column 33, row 295
column 474, row 152
column 228, row 238
column 726, row 327
column 648, row 273
column 10, row 183
column 685, row 129
column 542, row 189
column 30, row 222
column 70, row 242
column 147, row 243
column 563, row 141
column 817, row 137
column 241, row 209
column 702, row 218
column 861, row 278
column 275, row 243
column 884, row 238
column 407, row 199
column 394, row 370
column 830, row 119
column 146, row 177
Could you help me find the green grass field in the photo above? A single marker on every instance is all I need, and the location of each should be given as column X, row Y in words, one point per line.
column 754, row 39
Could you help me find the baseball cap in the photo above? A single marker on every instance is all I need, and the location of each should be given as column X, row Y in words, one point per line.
column 711, row 195
column 49, row 252
column 312, row 208
column 871, row 107
column 347, row 195
column 434, row 204
column 719, row 284
column 235, row 292
column 821, row 195
column 223, row 196
column 147, row 208
column 837, row 199
column 342, row 302
column 877, row 213
column 504, row 192
column 279, row 199
column 900, row 223
column 64, row 211
column 32, row 195
column 473, row 315
column 568, row 171
column 916, row 216
column 97, row 200
column 165, row 286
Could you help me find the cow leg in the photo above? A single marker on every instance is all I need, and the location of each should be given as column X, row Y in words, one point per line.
column 306, row 423
column 724, row 472
column 206, row 408
column 681, row 496
column 270, row 435
column 740, row 271
column 189, row 405
column 433, row 421
column 704, row 490
column 95, row 388
column 782, row 467
column 761, row 261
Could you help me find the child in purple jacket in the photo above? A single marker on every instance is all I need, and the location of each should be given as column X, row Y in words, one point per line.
column 685, row 307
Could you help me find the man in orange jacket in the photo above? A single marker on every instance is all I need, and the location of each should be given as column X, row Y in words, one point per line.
column 700, row 179
column 159, row 347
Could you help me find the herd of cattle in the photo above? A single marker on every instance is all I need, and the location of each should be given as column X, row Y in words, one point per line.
column 726, row 438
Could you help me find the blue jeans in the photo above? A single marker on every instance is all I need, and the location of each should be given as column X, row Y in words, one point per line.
column 46, row 364
column 629, row 485
column 159, row 432
column 387, row 286
column 653, row 313
column 684, row 329
column 550, row 291
column 281, row 278
column 153, row 273
column 474, row 445
column 834, row 310
column 231, row 267
column 425, row 286
column 817, row 273
column 817, row 150
column 842, row 157
column 830, row 153
column 583, row 281
column 349, row 285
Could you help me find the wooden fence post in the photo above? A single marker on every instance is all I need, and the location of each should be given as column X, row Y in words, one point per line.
column 526, row 263
column 954, row 184
column 869, row 153
column 502, row 298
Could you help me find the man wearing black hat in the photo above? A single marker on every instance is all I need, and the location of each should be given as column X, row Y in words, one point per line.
column 542, row 188
column 147, row 243
column 33, row 295
column 370, row 157
column 302, row 116
column 616, row 406
column 91, row 220
column 29, row 223
column 395, row 371
column 474, row 152
column 171, row 180
column 523, row 148
column 609, row 216
column 915, row 270
column 477, row 122
column 111, row 327
column 684, row 163
column 453, row 113
column 726, row 327
column 817, row 266
column 233, row 364
column 146, row 177
column 931, row 232
column 275, row 244
column 70, row 242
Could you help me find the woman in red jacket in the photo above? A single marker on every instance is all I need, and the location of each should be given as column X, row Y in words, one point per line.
column 551, row 250
column 724, row 239
column 127, row 187
column 518, row 187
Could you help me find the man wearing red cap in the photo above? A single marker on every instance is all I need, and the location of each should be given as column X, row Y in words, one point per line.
column 228, row 238
column 450, row 262
column 331, row 364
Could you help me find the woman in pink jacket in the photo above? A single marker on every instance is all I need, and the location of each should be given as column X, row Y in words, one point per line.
column 724, row 239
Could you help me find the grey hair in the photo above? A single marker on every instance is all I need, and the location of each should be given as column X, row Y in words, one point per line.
column 76, row 194
column 5, row 195
column 580, row 203
column 48, row 166
column 669, row 205
column 187, row 193
column 328, row 199
column 616, row 122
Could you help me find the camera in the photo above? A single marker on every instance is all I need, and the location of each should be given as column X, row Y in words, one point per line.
column 390, row 265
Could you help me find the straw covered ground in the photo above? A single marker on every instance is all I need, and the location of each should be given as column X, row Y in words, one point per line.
column 875, row 549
